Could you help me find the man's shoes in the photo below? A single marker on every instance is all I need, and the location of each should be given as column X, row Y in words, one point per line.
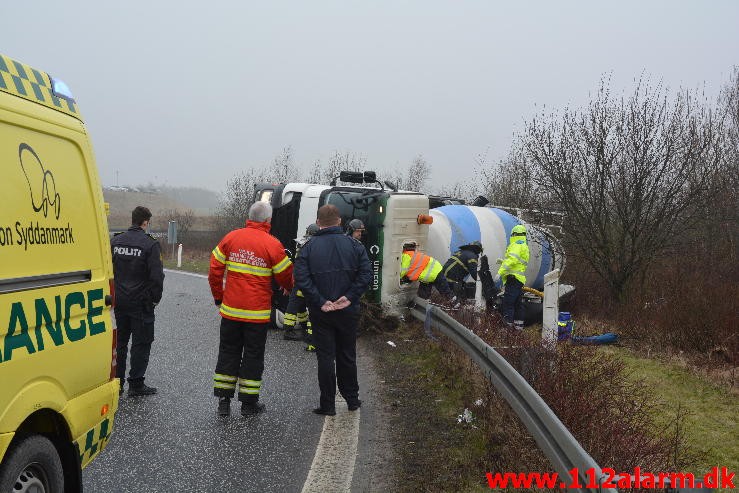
column 310, row 348
column 250, row 408
column 353, row 406
column 141, row 389
column 325, row 412
column 293, row 334
column 224, row 406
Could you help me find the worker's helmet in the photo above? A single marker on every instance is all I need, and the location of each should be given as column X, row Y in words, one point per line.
column 311, row 229
column 354, row 225
column 475, row 246
column 518, row 230
column 410, row 245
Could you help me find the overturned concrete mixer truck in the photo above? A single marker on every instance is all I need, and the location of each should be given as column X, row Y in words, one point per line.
column 392, row 218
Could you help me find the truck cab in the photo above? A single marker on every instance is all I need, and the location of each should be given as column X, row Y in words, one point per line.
column 391, row 218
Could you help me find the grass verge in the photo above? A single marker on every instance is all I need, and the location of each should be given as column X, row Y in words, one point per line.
column 426, row 394
column 199, row 266
column 712, row 412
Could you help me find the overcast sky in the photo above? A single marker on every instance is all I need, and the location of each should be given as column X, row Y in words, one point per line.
column 189, row 93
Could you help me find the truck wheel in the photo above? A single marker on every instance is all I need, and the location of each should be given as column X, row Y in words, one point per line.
column 32, row 466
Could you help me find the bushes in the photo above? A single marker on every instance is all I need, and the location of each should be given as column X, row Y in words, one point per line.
column 610, row 414
column 686, row 302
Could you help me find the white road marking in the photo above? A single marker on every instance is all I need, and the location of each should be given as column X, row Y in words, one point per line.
column 202, row 276
column 333, row 465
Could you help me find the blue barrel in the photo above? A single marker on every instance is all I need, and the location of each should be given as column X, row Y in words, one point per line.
column 565, row 324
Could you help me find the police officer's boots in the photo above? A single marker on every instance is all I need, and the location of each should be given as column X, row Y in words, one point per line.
column 140, row 388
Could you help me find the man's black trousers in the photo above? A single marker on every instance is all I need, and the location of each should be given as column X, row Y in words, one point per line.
column 240, row 359
column 512, row 305
column 138, row 327
column 335, row 338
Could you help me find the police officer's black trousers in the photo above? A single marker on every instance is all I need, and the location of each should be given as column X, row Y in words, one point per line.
column 240, row 359
column 335, row 338
column 139, row 328
column 512, row 305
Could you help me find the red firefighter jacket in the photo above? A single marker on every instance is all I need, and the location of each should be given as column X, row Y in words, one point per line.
column 251, row 257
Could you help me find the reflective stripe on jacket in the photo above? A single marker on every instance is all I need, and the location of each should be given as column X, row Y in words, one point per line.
column 252, row 257
column 516, row 260
column 459, row 265
column 417, row 266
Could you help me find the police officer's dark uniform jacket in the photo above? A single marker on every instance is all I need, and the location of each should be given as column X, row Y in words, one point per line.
column 462, row 263
column 139, row 277
column 139, row 281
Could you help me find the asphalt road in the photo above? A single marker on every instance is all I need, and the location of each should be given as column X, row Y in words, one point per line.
column 174, row 441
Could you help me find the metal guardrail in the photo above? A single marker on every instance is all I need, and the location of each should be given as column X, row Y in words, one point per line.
column 553, row 438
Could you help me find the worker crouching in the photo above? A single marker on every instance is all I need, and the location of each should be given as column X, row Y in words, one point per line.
column 417, row 266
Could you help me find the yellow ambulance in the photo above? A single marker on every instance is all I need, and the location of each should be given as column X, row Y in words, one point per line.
column 58, row 394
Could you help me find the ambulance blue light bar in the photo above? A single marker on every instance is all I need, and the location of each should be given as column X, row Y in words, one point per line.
column 59, row 88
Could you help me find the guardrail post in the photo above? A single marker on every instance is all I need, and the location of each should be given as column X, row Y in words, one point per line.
column 551, row 309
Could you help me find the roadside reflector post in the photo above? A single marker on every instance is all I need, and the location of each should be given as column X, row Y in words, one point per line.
column 179, row 255
column 550, row 309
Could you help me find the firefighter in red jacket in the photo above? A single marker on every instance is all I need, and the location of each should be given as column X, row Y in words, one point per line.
column 252, row 258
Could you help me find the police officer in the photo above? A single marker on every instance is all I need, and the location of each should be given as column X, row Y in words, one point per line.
column 461, row 264
column 355, row 229
column 139, row 281
column 332, row 284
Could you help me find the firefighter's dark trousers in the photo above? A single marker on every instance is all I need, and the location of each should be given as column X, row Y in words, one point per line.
column 295, row 313
column 441, row 285
column 335, row 338
column 512, row 306
column 138, row 327
column 240, row 360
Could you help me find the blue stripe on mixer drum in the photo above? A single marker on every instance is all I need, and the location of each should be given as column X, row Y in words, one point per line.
column 508, row 221
column 463, row 223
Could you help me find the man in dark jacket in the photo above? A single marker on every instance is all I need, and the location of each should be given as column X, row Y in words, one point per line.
column 139, row 281
column 333, row 271
column 461, row 264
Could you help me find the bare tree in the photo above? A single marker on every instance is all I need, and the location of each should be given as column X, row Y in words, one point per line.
column 323, row 173
column 509, row 182
column 236, row 200
column 283, row 168
column 184, row 217
column 629, row 173
column 724, row 206
column 415, row 177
